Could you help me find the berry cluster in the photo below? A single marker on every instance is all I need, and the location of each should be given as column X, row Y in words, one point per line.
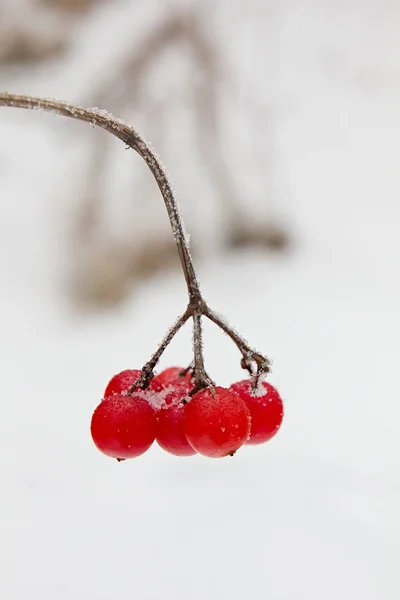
column 214, row 421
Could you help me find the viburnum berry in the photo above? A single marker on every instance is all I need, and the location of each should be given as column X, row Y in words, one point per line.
column 124, row 380
column 172, row 375
column 171, row 421
column 124, row 426
column 266, row 409
column 217, row 425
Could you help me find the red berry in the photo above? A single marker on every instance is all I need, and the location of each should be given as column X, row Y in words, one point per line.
column 124, row 380
column 172, row 375
column 217, row 426
column 124, row 426
column 266, row 410
column 171, row 420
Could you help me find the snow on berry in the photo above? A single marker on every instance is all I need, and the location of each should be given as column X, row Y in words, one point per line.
column 124, row 426
column 124, row 380
column 217, row 425
column 156, row 399
column 266, row 410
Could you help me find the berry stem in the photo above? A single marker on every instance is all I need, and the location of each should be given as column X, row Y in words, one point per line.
column 201, row 379
column 249, row 355
column 148, row 368
column 197, row 306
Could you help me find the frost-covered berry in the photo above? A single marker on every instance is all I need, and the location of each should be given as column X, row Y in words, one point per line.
column 124, row 380
column 172, row 375
column 217, row 425
column 171, row 421
column 266, row 409
column 124, row 426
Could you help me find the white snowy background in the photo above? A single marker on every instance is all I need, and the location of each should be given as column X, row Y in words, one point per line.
column 314, row 515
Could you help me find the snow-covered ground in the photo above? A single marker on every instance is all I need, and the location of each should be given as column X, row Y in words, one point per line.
column 314, row 515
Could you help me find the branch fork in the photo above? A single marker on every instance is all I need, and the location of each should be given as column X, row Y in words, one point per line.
column 253, row 361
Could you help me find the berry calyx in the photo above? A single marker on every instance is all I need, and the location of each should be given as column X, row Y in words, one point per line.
column 171, row 422
column 266, row 409
column 124, row 426
column 121, row 382
column 173, row 375
column 217, row 425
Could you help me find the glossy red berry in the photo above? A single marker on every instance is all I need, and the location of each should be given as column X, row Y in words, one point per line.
column 171, row 422
column 266, row 410
column 172, row 375
column 124, row 380
column 124, row 426
column 217, row 426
